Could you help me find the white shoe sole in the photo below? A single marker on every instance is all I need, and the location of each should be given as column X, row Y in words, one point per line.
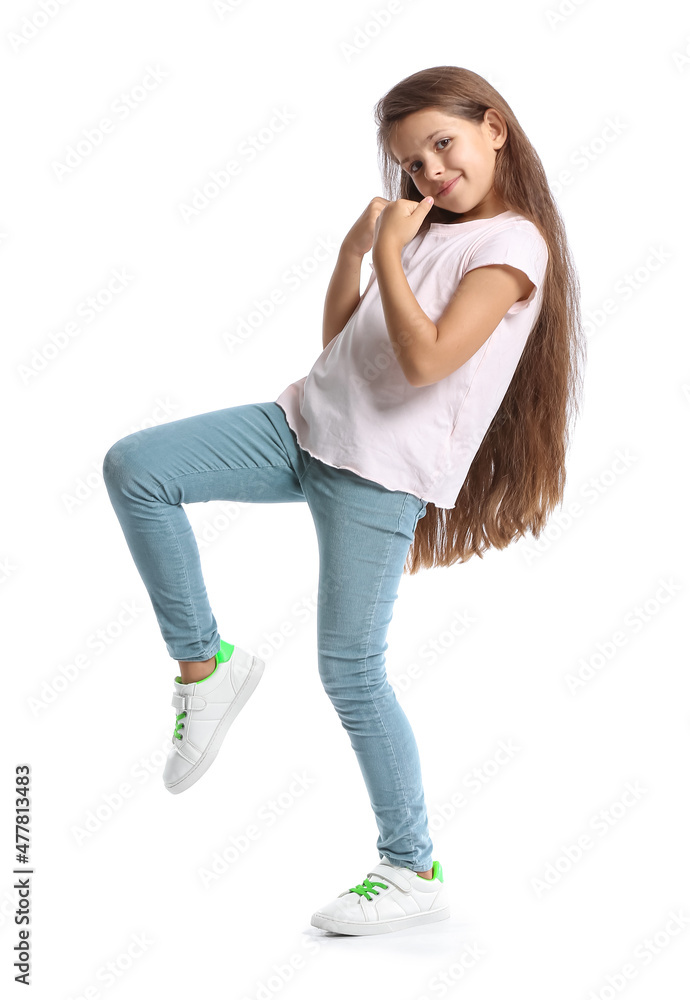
column 211, row 752
column 379, row 927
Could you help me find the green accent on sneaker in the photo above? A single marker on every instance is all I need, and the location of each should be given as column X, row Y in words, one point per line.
column 436, row 872
column 225, row 652
column 222, row 656
column 366, row 887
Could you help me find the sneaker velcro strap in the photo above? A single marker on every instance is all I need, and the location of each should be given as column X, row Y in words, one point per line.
column 188, row 751
column 187, row 702
column 399, row 881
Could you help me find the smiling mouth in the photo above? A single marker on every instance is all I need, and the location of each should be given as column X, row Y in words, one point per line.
column 448, row 186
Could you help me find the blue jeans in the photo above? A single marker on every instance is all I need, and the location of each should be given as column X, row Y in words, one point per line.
column 250, row 454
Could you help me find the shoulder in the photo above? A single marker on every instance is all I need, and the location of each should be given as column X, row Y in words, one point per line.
column 511, row 239
column 516, row 227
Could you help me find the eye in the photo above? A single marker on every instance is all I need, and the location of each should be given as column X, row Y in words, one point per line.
column 438, row 141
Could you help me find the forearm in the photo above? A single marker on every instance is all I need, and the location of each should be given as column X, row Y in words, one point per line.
column 410, row 330
column 342, row 296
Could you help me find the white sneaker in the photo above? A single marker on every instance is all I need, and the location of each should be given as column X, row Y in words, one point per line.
column 395, row 899
column 206, row 709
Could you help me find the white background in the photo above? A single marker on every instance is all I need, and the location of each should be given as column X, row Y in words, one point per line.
column 538, row 609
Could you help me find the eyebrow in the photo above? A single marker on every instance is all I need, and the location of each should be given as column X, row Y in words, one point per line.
column 402, row 163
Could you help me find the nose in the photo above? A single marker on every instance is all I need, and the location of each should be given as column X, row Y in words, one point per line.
column 432, row 171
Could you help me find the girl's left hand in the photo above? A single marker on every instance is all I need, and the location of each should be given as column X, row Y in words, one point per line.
column 399, row 222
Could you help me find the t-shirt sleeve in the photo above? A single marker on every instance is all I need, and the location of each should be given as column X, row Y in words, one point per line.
column 521, row 247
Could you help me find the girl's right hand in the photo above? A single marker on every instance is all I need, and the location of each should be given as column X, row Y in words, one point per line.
column 360, row 238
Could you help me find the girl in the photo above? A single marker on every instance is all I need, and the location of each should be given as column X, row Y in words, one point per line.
column 433, row 424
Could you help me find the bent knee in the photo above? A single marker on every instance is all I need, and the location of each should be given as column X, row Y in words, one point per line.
column 122, row 461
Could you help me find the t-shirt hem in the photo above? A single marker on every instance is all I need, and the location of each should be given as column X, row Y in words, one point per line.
column 358, row 472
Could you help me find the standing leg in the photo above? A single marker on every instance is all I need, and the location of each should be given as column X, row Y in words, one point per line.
column 364, row 533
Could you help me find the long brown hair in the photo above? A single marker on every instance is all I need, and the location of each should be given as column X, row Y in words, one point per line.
column 518, row 474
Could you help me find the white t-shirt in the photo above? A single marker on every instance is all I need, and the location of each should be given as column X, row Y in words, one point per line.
column 356, row 410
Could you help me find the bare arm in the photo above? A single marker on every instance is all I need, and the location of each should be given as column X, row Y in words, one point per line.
column 342, row 296
column 427, row 351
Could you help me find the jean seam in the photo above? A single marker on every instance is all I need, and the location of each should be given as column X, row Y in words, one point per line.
column 190, row 602
column 226, row 468
column 402, row 510
column 366, row 658
column 294, row 443
column 307, row 467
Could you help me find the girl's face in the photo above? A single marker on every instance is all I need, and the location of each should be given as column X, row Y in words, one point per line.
column 436, row 148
